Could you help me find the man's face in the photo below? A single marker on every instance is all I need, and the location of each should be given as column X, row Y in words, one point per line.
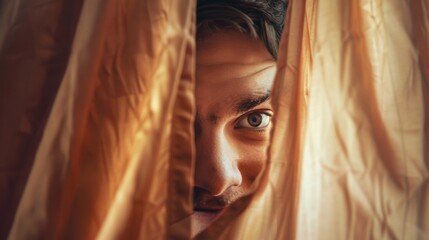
column 234, row 76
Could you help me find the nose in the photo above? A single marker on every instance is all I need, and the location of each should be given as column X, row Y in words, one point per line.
column 216, row 167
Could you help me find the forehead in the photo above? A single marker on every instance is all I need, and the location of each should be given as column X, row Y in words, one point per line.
column 231, row 66
column 229, row 46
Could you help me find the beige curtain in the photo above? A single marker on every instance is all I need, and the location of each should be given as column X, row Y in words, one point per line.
column 96, row 132
column 99, row 104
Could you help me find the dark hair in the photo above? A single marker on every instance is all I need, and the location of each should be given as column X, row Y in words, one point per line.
column 261, row 19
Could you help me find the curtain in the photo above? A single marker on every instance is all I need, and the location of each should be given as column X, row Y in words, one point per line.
column 98, row 99
column 96, row 123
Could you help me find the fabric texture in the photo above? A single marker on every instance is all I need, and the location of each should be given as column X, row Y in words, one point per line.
column 97, row 108
column 104, row 96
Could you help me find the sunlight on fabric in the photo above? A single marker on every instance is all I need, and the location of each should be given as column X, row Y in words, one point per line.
column 97, row 123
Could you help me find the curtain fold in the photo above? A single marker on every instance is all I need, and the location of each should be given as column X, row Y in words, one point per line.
column 118, row 139
column 364, row 166
column 97, row 107
column 35, row 43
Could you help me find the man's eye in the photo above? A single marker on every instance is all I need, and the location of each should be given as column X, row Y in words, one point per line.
column 255, row 120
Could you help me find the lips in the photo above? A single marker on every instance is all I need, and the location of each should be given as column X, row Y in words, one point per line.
column 207, row 215
column 209, row 212
column 203, row 217
column 207, row 209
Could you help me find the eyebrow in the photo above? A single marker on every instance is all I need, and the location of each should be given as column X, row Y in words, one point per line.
column 251, row 102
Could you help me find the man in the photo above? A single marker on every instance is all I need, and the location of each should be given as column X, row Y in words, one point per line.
column 237, row 47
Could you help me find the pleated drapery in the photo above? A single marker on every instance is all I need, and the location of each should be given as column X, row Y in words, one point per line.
column 97, row 108
column 113, row 158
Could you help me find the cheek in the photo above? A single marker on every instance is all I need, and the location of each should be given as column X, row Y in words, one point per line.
column 252, row 159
